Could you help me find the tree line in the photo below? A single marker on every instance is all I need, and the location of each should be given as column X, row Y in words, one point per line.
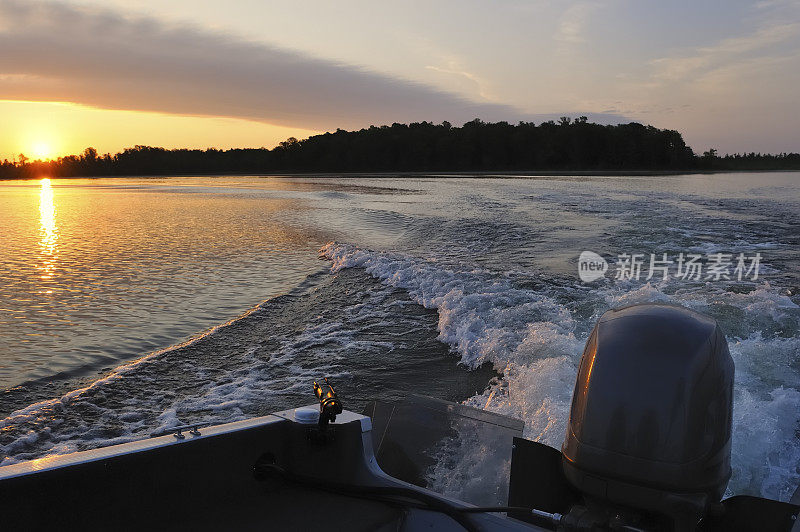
column 477, row 146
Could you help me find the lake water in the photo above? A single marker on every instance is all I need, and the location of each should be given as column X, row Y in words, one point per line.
column 132, row 304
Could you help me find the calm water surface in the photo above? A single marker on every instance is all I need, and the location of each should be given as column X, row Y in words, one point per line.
column 129, row 305
column 97, row 271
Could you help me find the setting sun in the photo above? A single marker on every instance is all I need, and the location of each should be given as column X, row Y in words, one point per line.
column 42, row 150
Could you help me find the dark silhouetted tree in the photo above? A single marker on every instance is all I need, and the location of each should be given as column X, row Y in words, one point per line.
column 569, row 145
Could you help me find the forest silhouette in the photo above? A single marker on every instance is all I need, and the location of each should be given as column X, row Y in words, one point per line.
column 567, row 145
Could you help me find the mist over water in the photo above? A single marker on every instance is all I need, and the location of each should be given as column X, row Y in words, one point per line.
column 465, row 289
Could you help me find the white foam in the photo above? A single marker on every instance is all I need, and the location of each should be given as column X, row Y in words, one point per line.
column 230, row 395
column 531, row 339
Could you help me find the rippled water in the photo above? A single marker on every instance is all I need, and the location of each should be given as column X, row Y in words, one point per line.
column 98, row 271
column 459, row 288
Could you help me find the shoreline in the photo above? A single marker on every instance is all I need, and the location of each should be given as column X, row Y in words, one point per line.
column 467, row 174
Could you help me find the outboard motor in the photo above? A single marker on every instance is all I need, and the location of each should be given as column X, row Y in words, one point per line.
column 648, row 441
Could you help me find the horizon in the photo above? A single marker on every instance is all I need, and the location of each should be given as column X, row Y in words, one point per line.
column 80, row 153
column 249, row 75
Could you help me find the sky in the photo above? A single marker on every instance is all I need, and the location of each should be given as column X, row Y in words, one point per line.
column 250, row 73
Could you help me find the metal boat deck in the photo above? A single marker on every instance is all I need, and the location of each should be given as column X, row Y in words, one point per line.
column 205, row 481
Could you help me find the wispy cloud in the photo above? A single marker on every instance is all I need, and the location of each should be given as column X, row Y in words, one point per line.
column 456, row 69
column 572, row 26
column 729, row 78
column 724, row 52
column 737, row 93
column 773, row 4
column 56, row 52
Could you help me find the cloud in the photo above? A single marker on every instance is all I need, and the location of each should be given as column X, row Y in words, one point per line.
column 573, row 22
column 100, row 58
column 454, row 68
column 737, row 93
column 725, row 52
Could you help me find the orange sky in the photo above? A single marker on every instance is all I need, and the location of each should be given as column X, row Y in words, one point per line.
column 247, row 73
column 49, row 130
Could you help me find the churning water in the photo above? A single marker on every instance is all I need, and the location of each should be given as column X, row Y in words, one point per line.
column 130, row 305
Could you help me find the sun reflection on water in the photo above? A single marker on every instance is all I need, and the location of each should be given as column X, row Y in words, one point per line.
column 48, row 231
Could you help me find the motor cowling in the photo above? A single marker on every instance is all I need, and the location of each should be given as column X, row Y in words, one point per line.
column 650, row 422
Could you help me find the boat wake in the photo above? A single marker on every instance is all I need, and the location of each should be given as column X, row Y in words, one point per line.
column 367, row 339
column 507, row 342
column 534, row 338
